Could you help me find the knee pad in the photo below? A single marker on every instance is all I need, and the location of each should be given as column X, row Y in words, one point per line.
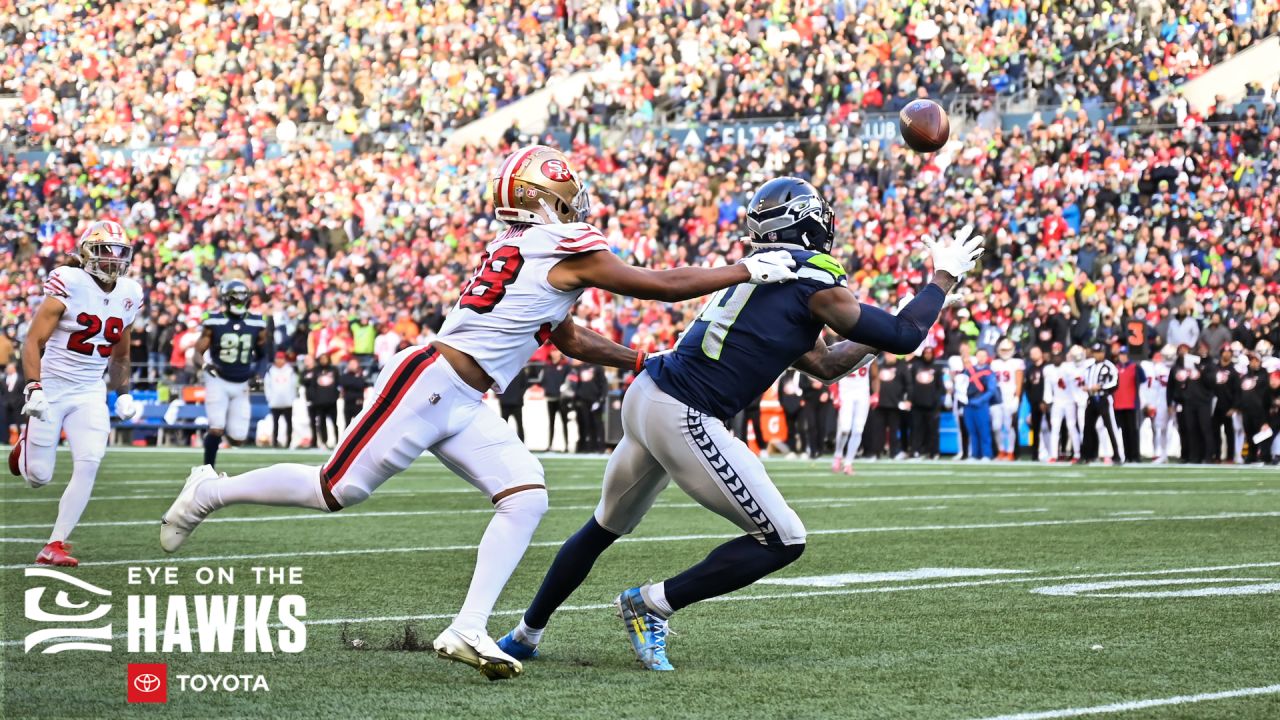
column 348, row 494
column 530, row 502
column 37, row 476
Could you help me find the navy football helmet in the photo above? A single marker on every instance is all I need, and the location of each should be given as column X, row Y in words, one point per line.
column 789, row 212
column 235, row 297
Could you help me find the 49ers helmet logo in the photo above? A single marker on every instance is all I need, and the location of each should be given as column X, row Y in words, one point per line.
column 557, row 170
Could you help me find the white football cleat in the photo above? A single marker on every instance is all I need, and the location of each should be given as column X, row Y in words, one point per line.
column 182, row 517
column 478, row 650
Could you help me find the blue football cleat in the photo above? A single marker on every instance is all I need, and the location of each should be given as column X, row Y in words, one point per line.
column 516, row 649
column 646, row 629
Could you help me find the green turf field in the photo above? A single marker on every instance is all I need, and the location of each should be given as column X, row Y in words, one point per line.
column 928, row 591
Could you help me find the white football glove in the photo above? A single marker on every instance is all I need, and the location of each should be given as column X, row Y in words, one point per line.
column 955, row 255
column 774, row 266
column 126, row 407
column 36, row 406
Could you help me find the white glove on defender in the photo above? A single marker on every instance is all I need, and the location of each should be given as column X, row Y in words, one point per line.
column 126, row 408
column 36, row 406
column 774, row 266
column 956, row 255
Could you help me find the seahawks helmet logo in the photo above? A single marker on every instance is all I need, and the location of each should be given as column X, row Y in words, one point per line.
column 787, row 215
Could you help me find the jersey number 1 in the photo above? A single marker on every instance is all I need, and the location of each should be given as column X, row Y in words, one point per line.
column 490, row 282
column 112, row 330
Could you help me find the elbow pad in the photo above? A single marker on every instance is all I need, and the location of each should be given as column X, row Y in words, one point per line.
column 902, row 333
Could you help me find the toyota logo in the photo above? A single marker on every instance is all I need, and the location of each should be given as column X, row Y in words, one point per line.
column 146, row 683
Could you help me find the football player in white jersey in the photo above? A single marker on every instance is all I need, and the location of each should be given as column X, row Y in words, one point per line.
column 77, row 348
column 855, row 404
column 1064, row 391
column 1009, row 371
column 1154, row 396
column 429, row 397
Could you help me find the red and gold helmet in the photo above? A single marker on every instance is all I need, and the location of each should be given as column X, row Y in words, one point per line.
column 536, row 185
column 104, row 250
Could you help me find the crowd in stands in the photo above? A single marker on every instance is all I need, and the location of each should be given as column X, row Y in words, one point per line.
column 153, row 73
column 356, row 250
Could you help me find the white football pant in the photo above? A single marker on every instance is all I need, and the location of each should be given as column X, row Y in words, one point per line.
column 662, row 438
column 226, row 404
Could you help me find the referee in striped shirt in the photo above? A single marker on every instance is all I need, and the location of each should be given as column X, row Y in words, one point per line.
column 1100, row 380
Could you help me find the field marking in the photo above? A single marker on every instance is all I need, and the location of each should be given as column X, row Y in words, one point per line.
column 924, row 573
column 1091, row 589
column 1133, row 512
column 740, row 596
column 832, row 502
column 23, row 540
column 673, row 538
column 1139, row 704
column 1013, row 511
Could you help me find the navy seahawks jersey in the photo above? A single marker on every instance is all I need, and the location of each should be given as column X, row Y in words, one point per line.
column 744, row 338
column 235, row 350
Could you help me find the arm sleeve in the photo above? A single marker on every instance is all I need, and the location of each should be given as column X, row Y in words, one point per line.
column 902, row 333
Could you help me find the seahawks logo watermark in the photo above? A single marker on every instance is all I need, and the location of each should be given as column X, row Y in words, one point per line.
column 74, row 609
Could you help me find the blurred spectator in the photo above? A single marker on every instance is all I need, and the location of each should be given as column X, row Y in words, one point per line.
column 321, row 382
column 353, row 381
column 511, row 400
column 982, row 392
column 925, row 397
column 552, row 377
column 280, row 385
column 590, row 390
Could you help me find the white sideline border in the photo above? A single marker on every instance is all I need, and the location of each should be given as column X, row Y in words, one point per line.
column 666, row 538
column 1139, row 704
column 842, row 501
column 741, row 596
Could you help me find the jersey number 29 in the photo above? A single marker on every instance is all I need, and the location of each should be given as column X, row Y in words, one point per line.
column 112, row 329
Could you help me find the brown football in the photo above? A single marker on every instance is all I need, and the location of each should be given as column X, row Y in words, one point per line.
column 924, row 126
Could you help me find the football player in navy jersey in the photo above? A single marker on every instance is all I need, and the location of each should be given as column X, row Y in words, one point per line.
column 236, row 341
column 673, row 415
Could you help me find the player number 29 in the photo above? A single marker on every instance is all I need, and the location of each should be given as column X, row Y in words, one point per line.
column 235, row 348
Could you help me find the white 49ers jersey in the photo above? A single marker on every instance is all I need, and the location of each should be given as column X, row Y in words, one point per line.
column 1063, row 384
column 856, row 385
column 94, row 321
column 1006, row 372
column 1153, row 391
column 509, row 308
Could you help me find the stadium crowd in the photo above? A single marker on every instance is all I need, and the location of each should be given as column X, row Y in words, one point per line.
column 237, row 73
column 354, row 252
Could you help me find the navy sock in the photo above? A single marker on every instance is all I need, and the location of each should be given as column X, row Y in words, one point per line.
column 571, row 566
column 211, row 443
column 735, row 564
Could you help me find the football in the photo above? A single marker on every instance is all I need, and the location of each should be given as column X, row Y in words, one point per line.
column 924, row 126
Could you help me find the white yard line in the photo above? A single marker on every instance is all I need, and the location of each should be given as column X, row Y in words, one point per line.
column 743, row 597
column 658, row 538
column 843, row 501
column 1140, row 704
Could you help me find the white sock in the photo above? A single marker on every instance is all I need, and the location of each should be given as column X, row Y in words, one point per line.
column 504, row 542
column 528, row 635
column 655, row 596
column 74, row 499
column 286, row 484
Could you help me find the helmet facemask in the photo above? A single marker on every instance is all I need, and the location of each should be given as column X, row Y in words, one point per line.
column 105, row 260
